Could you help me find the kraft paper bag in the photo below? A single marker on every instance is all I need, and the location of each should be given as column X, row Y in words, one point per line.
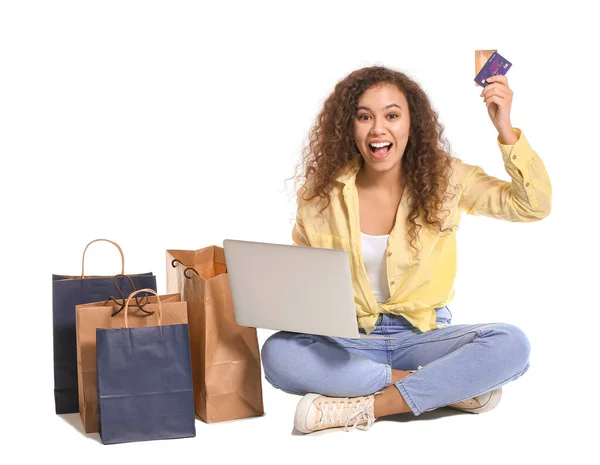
column 109, row 314
column 145, row 380
column 226, row 367
column 67, row 292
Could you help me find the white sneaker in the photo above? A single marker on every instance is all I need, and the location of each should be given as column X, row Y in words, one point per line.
column 316, row 412
column 479, row 404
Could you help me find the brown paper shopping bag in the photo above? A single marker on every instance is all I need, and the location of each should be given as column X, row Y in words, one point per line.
column 109, row 314
column 226, row 368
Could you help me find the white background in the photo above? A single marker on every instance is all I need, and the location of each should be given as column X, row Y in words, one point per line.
column 175, row 124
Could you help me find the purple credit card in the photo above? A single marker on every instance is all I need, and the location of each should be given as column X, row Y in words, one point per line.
column 495, row 65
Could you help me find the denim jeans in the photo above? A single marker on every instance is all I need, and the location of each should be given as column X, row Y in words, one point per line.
column 459, row 361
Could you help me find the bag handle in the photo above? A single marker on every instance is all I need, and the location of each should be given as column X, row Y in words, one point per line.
column 137, row 301
column 105, row 240
column 137, row 292
column 189, row 268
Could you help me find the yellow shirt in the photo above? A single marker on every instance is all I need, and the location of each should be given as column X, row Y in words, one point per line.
column 418, row 286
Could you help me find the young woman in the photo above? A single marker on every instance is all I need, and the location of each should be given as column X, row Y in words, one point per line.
column 379, row 182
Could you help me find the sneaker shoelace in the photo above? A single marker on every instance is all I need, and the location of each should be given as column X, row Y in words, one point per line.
column 356, row 412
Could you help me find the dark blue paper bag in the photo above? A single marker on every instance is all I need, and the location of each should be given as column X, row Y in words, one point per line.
column 145, row 387
column 67, row 292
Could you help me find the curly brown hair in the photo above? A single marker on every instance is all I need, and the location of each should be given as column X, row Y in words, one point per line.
column 426, row 162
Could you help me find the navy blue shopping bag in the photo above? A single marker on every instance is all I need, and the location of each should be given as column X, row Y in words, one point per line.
column 67, row 292
column 144, row 375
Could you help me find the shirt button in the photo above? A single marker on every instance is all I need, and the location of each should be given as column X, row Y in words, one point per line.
column 389, row 254
column 526, row 184
column 514, row 156
column 393, row 282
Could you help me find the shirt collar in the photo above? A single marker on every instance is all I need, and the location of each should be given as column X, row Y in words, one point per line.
column 348, row 176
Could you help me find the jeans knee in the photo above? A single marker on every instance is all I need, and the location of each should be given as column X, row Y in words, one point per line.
column 515, row 344
column 274, row 353
column 273, row 347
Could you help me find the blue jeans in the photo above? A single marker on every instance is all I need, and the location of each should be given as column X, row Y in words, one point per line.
column 459, row 361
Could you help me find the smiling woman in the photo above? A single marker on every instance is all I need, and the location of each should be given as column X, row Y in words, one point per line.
column 377, row 178
column 374, row 105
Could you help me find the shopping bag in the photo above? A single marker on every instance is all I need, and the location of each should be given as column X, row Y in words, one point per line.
column 108, row 314
column 225, row 356
column 67, row 292
column 145, row 387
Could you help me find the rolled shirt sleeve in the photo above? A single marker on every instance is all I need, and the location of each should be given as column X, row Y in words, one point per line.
column 527, row 197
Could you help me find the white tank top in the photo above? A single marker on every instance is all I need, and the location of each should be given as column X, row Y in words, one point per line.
column 373, row 250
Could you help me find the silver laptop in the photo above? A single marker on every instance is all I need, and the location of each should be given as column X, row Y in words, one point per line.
column 292, row 288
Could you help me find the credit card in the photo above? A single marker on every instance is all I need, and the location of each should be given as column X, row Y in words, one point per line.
column 496, row 65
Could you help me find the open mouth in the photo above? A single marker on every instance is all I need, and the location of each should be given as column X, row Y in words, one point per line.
column 380, row 149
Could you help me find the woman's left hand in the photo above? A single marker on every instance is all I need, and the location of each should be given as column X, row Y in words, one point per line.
column 498, row 98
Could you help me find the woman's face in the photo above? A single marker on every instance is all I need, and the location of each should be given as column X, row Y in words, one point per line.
column 382, row 126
